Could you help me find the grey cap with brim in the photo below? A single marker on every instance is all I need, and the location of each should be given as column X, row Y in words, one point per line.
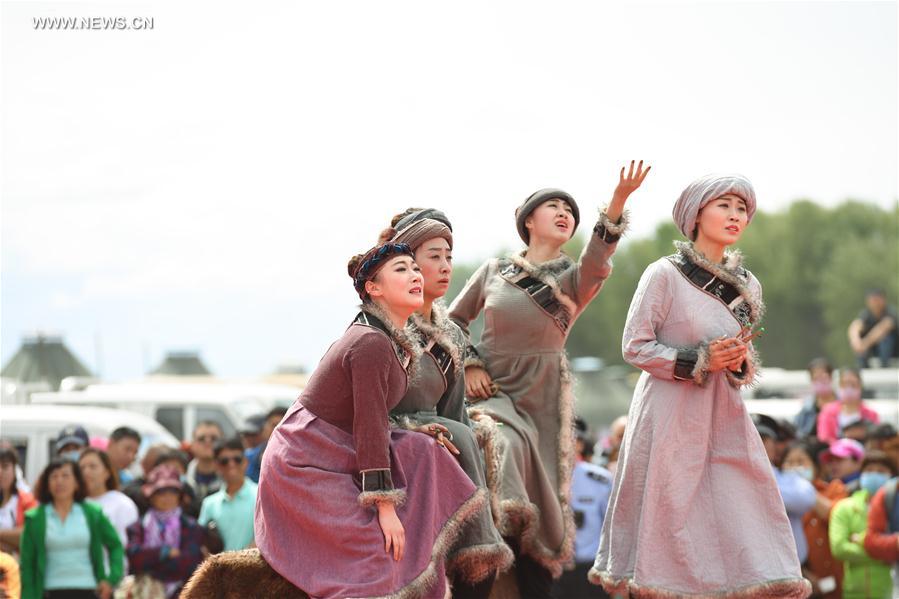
column 537, row 198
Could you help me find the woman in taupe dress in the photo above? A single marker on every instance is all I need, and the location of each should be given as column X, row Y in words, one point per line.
column 519, row 374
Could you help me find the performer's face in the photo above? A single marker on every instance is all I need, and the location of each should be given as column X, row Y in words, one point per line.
column 398, row 285
column 723, row 220
column 551, row 221
column 435, row 258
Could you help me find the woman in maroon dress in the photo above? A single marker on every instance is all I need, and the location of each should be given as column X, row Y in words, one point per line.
column 346, row 506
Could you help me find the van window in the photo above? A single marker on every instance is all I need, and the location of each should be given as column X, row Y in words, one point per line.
column 217, row 415
column 172, row 419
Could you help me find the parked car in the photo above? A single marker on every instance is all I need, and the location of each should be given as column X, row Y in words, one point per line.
column 32, row 429
column 180, row 406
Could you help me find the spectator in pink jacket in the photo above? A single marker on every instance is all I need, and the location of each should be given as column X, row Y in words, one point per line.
column 850, row 408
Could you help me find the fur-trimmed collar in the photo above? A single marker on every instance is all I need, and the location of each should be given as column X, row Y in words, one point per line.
column 440, row 329
column 548, row 272
column 730, row 270
column 402, row 340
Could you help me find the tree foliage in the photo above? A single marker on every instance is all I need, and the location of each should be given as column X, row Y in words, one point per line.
column 814, row 263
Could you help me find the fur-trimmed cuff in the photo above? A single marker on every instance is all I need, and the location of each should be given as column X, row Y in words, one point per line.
column 376, row 486
column 748, row 371
column 472, row 358
column 692, row 364
column 607, row 230
column 372, row 498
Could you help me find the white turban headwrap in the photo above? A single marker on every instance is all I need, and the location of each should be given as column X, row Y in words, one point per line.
column 704, row 190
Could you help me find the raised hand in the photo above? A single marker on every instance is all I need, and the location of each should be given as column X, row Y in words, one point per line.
column 627, row 184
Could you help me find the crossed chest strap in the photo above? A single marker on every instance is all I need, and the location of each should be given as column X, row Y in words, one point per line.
column 444, row 361
column 540, row 292
column 709, row 283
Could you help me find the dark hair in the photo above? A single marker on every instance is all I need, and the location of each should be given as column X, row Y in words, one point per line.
column 112, row 483
column 42, row 488
column 234, row 443
column 124, row 432
column 875, row 456
column 876, row 291
column 853, row 370
column 172, row 454
column 209, row 423
column 277, row 411
column 820, row 364
column 9, row 456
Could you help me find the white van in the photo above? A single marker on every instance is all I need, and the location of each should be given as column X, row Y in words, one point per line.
column 180, row 406
column 32, row 429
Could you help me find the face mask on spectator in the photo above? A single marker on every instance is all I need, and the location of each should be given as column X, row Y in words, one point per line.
column 71, row 455
column 850, row 393
column 822, row 387
column 872, row 481
column 806, row 472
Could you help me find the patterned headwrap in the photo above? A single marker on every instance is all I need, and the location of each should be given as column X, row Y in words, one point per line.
column 373, row 260
column 420, row 231
column 704, row 190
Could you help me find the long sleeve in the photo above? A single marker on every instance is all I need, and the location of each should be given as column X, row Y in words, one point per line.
column 840, row 532
column 594, row 265
column 28, row 568
column 880, row 543
column 828, row 423
column 466, row 307
column 369, row 362
column 639, row 345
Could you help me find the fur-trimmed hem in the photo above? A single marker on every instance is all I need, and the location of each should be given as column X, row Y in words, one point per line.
column 701, row 370
column 474, row 564
column 494, row 445
column 371, row 498
column 786, row 588
column 402, row 339
column 748, row 378
column 442, row 330
column 548, row 273
column 619, row 228
column 445, row 539
column 240, row 574
column 520, row 519
column 731, row 271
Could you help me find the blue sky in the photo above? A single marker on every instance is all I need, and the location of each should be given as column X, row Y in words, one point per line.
column 201, row 185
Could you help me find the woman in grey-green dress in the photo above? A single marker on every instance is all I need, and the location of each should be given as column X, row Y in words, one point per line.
column 435, row 403
column 519, row 374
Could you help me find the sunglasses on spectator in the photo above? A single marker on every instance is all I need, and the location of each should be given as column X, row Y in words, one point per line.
column 208, row 438
column 235, row 458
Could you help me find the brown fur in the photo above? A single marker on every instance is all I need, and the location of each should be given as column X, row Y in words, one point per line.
column 238, row 575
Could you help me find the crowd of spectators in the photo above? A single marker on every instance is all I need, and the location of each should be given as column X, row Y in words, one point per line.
column 99, row 525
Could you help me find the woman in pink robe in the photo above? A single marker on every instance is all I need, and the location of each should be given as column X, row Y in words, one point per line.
column 347, row 507
column 695, row 510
